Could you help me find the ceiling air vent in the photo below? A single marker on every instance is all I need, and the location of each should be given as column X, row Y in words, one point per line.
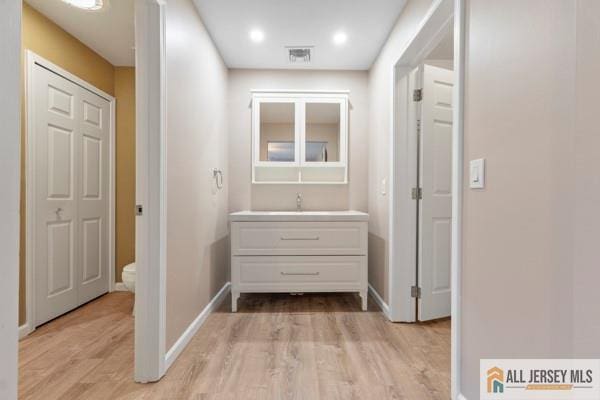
column 299, row 55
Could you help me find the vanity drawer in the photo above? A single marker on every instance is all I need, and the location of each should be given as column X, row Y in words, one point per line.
column 307, row 273
column 299, row 238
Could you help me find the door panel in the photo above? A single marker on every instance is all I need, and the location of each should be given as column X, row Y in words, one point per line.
column 435, row 208
column 92, row 169
column 60, row 258
column 93, row 200
column 55, row 250
column 71, row 204
column 92, row 245
column 60, row 162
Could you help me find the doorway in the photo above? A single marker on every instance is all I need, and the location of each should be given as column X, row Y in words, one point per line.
column 426, row 189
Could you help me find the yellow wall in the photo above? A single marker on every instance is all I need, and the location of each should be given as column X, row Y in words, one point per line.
column 125, row 168
column 49, row 41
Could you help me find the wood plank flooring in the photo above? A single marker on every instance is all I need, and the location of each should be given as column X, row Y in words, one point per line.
column 316, row 346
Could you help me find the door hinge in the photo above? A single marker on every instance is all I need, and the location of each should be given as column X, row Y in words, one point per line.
column 139, row 210
column 417, row 193
column 415, row 292
column 417, row 94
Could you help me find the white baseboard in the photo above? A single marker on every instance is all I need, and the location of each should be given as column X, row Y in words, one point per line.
column 382, row 304
column 24, row 330
column 461, row 397
column 191, row 330
column 120, row 287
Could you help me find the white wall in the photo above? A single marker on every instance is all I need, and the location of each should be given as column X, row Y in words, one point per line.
column 380, row 108
column 10, row 112
column 245, row 196
column 197, row 243
column 530, row 266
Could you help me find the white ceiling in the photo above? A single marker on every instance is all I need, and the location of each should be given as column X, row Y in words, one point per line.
column 367, row 24
column 109, row 31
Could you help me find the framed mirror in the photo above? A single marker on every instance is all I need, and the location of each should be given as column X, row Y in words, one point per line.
column 299, row 137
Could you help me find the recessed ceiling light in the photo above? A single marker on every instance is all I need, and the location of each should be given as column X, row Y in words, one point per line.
column 340, row 38
column 86, row 4
column 257, row 36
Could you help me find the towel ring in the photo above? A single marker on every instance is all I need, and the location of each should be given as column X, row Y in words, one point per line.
column 218, row 176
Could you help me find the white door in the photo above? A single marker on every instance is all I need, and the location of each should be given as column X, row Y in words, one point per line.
column 93, row 192
column 435, row 181
column 70, row 150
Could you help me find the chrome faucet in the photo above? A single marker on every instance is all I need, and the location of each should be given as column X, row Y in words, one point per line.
column 298, row 202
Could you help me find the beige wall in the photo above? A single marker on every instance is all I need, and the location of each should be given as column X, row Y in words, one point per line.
column 197, row 240
column 125, row 168
column 530, row 266
column 586, row 296
column 46, row 39
column 244, row 195
column 380, row 108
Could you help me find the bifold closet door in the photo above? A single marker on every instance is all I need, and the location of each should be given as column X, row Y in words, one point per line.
column 93, row 192
column 70, row 161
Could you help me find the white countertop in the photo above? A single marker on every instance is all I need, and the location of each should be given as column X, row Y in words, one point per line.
column 298, row 216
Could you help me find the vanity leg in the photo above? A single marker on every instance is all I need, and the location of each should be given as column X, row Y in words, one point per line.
column 234, row 300
column 364, row 296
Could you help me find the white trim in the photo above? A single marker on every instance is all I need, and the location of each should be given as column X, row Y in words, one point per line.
column 10, row 117
column 192, row 329
column 112, row 195
column 401, row 249
column 120, row 287
column 150, row 287
column 31, row 60
column 24, row 330
column 460, row 396
column 385, row 309
column 296, row 91
column 457, row 195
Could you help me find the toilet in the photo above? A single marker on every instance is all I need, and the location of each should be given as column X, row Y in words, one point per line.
column 128, row 277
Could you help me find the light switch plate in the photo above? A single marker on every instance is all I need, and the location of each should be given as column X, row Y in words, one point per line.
column 477, row 174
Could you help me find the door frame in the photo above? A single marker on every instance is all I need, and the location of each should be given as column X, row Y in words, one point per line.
column 31, row 59
column 443, row 15
column 151, row 225
column 10, row 164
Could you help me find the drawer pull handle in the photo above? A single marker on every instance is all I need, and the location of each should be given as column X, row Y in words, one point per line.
column 300, row 273
column 300, row 238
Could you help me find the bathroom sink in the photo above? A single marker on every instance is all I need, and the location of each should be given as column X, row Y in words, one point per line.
column 349, row 215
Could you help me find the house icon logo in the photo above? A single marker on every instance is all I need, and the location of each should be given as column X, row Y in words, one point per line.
column 495, row 380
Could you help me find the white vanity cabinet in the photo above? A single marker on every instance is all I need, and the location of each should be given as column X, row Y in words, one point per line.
column 299, row 137
column 299, row 252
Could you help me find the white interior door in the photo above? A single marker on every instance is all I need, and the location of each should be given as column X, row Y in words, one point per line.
column 435, row 208
column 71, row 131
column 92, row 218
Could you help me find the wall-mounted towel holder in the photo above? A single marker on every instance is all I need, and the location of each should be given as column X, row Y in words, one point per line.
column 218, row 177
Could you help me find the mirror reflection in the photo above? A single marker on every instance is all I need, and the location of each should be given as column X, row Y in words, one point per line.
column 277, row 137
column 322, row 132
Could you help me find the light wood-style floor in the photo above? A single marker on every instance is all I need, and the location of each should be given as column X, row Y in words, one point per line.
column 316, row 346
